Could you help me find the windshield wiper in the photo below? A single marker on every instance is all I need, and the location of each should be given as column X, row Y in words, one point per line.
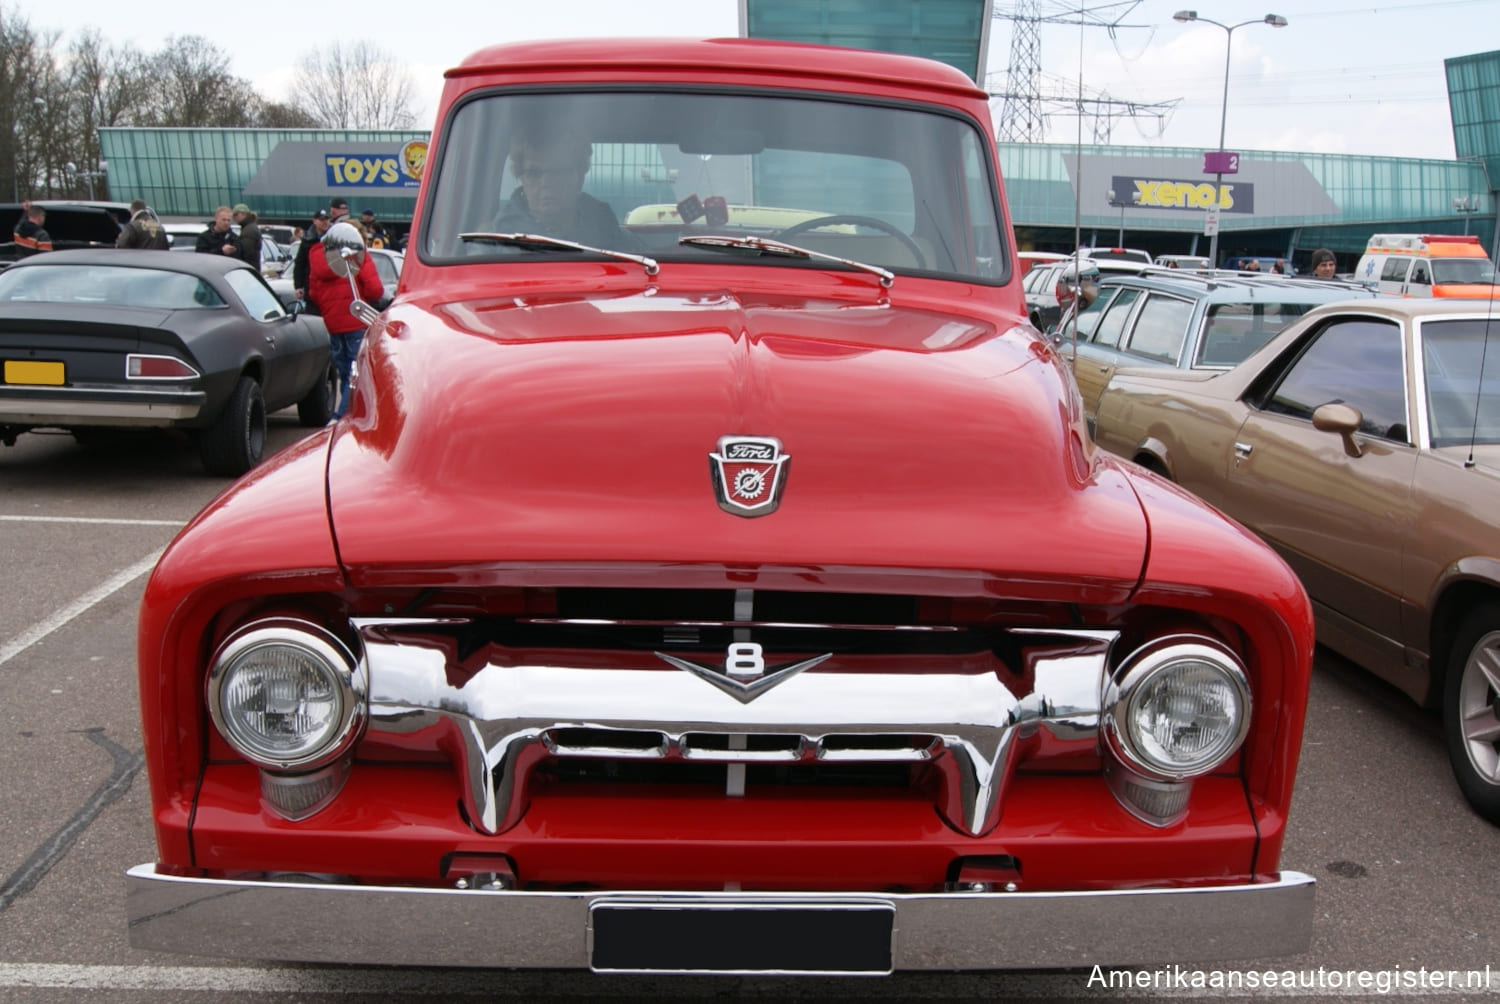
column 767, row 246
column 556, row 243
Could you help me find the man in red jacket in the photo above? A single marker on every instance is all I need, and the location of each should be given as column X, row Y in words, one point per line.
column 333, row 294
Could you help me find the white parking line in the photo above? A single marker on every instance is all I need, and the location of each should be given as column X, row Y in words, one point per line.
column 90, row 519
column 365, row 983
column 21, row 642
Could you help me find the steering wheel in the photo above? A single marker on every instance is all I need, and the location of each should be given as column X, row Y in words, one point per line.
column 857, row 221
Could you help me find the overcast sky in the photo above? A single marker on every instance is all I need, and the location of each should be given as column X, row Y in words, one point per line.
column 1342, row 77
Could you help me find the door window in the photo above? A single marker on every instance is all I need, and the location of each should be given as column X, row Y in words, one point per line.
column 1161, row 328
column 1113, row 322
column 1356, row 361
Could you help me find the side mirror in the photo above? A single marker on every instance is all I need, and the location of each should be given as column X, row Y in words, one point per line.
column 345, row 263
column 1342, row 419
column 344, row 260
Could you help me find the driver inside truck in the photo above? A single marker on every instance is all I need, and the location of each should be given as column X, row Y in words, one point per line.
column 550, row 165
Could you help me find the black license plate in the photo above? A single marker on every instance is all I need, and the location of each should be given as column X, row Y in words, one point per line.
column 740, row 937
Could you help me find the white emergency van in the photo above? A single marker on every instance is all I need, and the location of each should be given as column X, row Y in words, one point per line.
column 1427, row 265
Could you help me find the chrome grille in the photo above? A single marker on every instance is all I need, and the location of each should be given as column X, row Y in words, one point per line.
column 876, row 687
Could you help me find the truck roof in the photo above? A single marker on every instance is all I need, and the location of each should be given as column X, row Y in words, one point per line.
column 580, row 55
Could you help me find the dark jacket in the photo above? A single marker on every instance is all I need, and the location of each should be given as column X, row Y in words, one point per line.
column 249, row 252
column 144, row 232
column 594, row 224
column 31, row 239
column 212, row 242
column 300, row 265
column 333, row 296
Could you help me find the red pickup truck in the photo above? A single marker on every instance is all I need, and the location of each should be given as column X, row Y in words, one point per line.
column 714, row 573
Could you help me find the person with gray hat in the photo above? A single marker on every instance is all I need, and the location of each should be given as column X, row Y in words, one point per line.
column 249, row 240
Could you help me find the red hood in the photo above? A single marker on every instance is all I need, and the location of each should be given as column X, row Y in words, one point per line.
column 577, row 428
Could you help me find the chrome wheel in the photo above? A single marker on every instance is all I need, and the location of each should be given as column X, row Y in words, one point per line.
column 1471, row 708
column 1478, row 720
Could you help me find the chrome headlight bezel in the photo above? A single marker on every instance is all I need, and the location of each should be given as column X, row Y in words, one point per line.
column 326, row 657
column 1138, row 680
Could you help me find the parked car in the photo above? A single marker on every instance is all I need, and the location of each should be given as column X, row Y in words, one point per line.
column 1363, row 443
column 1029, row 260
column 70, row 225
column 388, row 263
column 1185, row 320
column 1040, row 288
column 1430, row 265
column 1183, row 261
column 151, row 339
column 1135, row 255
column 674, row 600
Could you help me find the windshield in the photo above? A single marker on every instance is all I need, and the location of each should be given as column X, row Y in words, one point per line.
column 1463, row 403
column 1462, row 270
column 121, row 286
column 896, row 187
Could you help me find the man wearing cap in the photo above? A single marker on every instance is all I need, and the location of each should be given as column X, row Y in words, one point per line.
column 302, row 265
column 338, row 208
column 375, row 234
column 249, row 244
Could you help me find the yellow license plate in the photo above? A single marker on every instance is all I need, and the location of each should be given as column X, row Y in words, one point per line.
column 26, row 371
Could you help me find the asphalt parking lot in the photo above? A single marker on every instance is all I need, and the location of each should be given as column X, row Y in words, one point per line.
column 1404, row 869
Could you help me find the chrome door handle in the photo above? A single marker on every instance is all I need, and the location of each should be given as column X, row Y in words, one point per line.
column 1243, row 449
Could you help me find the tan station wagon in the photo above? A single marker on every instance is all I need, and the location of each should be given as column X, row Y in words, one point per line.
column 1188, row 320
column 1363, row 443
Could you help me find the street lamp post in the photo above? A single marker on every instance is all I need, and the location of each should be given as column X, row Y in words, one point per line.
column 1120, row 240
column 1466, row 205
column 1275, row 21
column 88, row 176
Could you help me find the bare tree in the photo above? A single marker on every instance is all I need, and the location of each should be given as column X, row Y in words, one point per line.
column 277, row 115
column 360, row 86
column 191, row 87
column 27, row 88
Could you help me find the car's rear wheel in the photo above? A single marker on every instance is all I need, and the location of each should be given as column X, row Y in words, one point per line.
column 1471, row 709
column 316, row 408
column 236, row 440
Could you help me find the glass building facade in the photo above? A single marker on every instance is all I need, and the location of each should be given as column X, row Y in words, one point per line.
column 1303, row 200
column 190, row 172
column 956, row 32
column 1279, row 204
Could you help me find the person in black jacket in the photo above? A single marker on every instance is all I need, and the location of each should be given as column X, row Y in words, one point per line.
column 249, row 240
column 143, row 231
column 218, row 238
column 302, row 265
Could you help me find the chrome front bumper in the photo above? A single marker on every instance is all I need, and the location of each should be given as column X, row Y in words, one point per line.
column 558, row 930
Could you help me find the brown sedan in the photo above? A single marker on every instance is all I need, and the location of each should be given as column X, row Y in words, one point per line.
column 1363, row 444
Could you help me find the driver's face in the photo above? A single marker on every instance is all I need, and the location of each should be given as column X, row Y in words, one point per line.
column 1324, row 269
column 552, row 183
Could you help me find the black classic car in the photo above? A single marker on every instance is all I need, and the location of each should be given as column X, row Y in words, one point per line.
column 140, row 339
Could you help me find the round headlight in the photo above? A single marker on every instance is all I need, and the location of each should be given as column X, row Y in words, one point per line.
column 1178, row 708
column 287, row 694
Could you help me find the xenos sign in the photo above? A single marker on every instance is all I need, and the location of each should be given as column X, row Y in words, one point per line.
column 1193, row 195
